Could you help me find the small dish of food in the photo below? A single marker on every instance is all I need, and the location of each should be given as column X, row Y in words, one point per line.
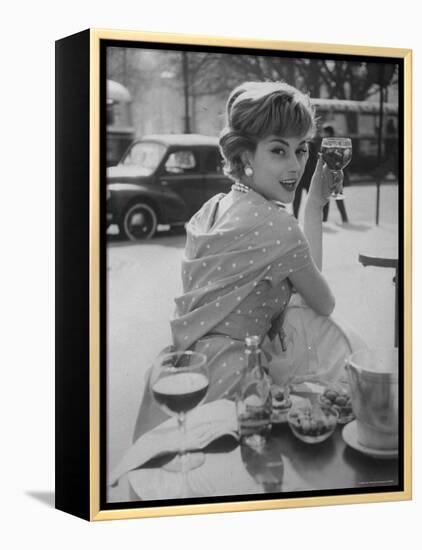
column 312, row 423
column 338, row 398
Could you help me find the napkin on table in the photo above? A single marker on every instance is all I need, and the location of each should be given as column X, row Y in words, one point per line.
column 203, row 425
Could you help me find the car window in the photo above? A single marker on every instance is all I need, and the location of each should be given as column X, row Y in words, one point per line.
column 213, row 162
column 145, row 154
column 181, row 162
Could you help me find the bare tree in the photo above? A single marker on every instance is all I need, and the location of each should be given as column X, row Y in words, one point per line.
column 214, row 73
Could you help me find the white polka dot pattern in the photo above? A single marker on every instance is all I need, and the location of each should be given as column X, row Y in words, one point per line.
column 245, row 266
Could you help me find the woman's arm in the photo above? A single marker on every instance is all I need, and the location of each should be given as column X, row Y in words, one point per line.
column 314, row 289
column 319, row 192
column 309, row 281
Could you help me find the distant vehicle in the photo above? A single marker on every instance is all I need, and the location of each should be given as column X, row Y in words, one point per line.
column 359, row 120
column 120, row 131
column 163, row 179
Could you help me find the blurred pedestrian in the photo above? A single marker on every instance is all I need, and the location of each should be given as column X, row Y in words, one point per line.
column 328, row 131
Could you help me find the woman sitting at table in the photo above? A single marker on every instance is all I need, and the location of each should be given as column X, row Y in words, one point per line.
column 245, row 254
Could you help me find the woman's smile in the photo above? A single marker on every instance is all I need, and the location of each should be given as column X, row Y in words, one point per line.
column 289, row 184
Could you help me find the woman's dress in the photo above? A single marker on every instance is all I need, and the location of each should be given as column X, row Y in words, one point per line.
column 235, row 275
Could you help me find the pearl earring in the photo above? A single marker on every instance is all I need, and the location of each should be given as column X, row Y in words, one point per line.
column 248, row 171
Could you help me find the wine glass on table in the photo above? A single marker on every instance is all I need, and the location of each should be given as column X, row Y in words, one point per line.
column 179, row 383
column 337, row 153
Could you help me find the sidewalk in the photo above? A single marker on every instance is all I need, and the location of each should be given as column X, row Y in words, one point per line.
column 364, row 295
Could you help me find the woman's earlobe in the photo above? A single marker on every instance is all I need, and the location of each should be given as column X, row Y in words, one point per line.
column 245, row 158
column 247, row 166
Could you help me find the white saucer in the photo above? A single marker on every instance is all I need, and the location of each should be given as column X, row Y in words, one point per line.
column 350, row 436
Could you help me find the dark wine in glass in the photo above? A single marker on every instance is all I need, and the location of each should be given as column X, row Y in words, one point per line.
column 337, row 153
column 180, row 392
column 179, row 383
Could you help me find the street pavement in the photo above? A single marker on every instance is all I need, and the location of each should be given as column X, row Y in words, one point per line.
column 143, row 279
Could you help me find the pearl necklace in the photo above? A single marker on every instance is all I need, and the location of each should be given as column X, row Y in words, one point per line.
column 242, row 188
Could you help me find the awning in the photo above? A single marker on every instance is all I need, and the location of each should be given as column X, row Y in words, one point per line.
column 117, row 93
column 348, row 105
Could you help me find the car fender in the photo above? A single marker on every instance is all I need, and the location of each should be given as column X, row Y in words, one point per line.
column 169, row 206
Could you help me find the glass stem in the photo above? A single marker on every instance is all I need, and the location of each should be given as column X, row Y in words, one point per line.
column 337, row 188
column 181, row 419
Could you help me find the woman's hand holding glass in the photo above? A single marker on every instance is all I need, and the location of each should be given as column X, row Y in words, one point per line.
column 322, row 184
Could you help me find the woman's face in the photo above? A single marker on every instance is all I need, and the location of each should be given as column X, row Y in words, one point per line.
column 278, row 164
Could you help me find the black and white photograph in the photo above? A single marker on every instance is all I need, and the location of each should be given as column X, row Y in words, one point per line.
column 253, row 248
column 110, row 110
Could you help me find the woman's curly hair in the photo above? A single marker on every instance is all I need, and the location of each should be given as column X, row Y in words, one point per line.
column 256, row 110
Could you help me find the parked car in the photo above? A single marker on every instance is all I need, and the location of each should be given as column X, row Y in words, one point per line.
column 163, row 179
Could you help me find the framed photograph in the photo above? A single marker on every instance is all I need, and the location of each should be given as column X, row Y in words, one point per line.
column 233, row 274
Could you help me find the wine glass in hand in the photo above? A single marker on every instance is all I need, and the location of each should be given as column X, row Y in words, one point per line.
column 179, row 383
column 337, row 153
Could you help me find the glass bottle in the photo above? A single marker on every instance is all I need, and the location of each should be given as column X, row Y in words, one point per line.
column 254, row 403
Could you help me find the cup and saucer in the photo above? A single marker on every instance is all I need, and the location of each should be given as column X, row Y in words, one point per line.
column 351, row 438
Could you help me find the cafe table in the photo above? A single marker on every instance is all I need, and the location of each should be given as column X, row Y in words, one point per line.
column 229, row 470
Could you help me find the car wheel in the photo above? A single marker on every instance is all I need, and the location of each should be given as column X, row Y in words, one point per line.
column 139, row 222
